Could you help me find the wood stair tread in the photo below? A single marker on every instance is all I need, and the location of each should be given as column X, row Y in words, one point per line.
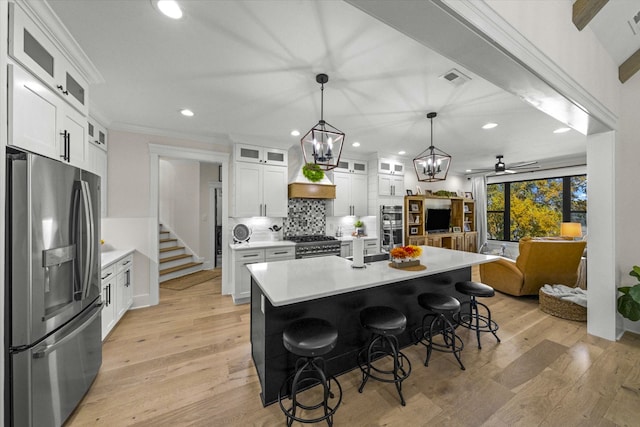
column 174, row 258
column 179, row 267
column 171, row 248
column 168, row 240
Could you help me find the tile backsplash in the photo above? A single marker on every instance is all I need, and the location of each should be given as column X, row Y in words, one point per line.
column 306, row 216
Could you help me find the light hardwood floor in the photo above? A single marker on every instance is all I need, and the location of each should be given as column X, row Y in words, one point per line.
column 188, row 361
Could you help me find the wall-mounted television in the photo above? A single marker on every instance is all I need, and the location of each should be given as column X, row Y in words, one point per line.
column 438, row 220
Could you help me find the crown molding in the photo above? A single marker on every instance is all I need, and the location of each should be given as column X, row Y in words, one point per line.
column 218, row 139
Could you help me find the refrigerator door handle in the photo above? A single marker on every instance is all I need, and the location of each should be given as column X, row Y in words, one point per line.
column 89, row 250
column 45, row 350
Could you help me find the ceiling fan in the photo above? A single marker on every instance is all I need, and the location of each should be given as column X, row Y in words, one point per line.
column 500, row 168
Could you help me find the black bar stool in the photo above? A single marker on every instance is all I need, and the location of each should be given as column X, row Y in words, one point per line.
column 438, row 306
column 310, row 338
column 474, row 320
column 384, row 323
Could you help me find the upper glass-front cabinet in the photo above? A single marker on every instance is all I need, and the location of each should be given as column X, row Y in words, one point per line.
column 264, row 155
column 390, row 167
column 31, row 47
column 351, row 166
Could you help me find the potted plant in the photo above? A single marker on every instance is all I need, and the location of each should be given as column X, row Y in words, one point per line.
column 629, row 301
column 405, row 256
column 359, row 225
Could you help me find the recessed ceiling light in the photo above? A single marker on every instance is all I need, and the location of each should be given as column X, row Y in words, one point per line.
column 489, row 126
column 295, row 132
column 468, row 170
column 186, row 112
column 355, row 144
column 562, row 130
column 402, row 152
column 170, row 8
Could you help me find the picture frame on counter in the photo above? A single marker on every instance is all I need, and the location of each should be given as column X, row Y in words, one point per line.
column 409, row 193
column 456, row 229
column 413, row 230
column 468, row 194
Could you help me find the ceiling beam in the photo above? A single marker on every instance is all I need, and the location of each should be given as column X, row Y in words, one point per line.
column 585, row 10
column 629, row 67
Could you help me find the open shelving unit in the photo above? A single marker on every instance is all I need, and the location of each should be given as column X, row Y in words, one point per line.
column 462, row 234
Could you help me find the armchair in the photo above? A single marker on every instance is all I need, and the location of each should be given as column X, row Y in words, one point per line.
column 540, row 262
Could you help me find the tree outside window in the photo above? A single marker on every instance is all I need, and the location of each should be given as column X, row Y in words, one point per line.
column 535, row 208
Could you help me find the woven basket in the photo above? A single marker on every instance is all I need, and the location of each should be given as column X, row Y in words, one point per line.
column 562, row 308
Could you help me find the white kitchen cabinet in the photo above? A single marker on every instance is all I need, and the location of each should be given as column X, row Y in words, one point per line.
column 280, row 253
column 117, row 291
column 352, row 166
column 39, row 121
column 390, row 185
column 240, row 258
column 30, row 46
column 124, row 292
column 390, row 166
column 241, row 275
column 351, row 195
column 262, row 155
column 346, row 248
column 371, row 246
column 97, row 134
column 260, row 190
column 75, row 126
column 108, row 277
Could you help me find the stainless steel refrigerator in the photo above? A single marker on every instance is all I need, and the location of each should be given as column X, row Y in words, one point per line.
column 53, row 344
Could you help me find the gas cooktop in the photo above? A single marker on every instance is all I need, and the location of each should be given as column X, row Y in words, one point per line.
column 310, row 238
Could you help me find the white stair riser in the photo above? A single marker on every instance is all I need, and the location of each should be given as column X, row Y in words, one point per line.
column 165, row 265
column 169, row 244
column 180, row 273
column 171, row 253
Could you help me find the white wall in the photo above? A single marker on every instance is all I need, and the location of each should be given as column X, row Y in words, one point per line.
column 180, row 190
column 208, row 174
column 165, row 197
column 627, row 200
column 129, row 223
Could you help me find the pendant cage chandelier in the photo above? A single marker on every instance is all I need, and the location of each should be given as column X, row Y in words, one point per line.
column 322, row 145
column 432, row 164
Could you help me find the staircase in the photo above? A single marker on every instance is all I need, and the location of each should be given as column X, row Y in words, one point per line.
column 175, row 258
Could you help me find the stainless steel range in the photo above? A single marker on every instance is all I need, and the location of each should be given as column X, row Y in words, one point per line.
column 315, row 246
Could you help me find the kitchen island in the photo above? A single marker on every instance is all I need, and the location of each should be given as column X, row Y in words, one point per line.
column 329, row 288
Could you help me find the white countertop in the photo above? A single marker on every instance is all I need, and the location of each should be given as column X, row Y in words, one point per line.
column 261, row 244
column 288, row 282
column 109, row 257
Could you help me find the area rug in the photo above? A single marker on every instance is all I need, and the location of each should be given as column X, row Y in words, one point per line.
column 185, row 282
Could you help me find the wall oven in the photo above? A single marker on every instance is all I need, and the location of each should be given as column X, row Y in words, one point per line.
column 390, row 230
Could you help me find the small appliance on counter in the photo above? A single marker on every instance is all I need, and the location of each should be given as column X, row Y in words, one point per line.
column 241, row 233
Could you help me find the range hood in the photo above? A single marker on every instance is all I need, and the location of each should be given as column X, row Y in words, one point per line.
column 309, row 190
column 300, row 187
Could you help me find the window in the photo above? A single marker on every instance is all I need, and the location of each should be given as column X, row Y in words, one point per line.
column 535, row 208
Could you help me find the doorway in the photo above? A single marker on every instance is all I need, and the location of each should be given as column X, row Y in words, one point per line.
column 155, row 152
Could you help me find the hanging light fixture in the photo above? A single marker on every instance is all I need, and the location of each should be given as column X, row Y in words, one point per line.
column 432, row 164
column 322, row 145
